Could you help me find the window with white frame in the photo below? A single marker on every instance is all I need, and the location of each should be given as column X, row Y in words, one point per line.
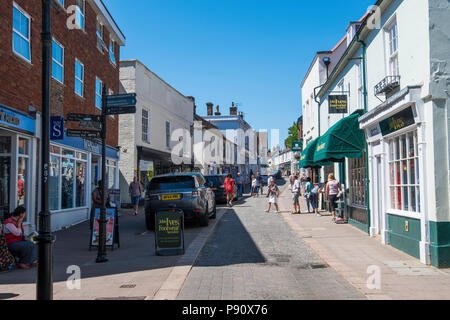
column 145, row 126
column 21, row 32
column 99, row 32
column 168, row 135
column 392, row 48
column 112, row 54
column 111, row 170
column 80, row 13
column 57, row 61
column 67, row 179
column 404, row 175
column 79, row 78
column 98, row 92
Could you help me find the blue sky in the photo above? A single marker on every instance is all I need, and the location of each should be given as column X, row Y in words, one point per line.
column 252, row 52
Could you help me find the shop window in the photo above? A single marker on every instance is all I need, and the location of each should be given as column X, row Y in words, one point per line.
column 67, row 179
column 54, row 187
column 358, row 186
column 111, row 167
column 5, row 176
column 404, row 179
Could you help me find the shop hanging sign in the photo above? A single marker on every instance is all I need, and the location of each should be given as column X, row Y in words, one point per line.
column 297, row 146
column 397, row 122
column 337, row 104
column 56, row 128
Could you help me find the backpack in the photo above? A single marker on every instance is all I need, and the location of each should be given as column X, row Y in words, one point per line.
column 6, row 259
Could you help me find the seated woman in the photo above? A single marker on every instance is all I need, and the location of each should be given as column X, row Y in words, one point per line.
column 17, row 243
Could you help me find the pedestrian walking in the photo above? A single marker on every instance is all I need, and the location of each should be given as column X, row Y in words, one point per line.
column 17, row 242
column 254, row 187
column 332, row 190
column 229, row 189
column 240, row 183
column 303, row 181
column 308, row 188
column 296, row 193
column 274, row 193
column 313, row 198
column 135, row 194
column 259, row 183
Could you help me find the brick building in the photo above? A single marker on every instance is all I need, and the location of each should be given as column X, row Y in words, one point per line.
column 85, row 55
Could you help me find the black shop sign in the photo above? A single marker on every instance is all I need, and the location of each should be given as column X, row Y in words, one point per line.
column 397, row 122
column 169, row 232
column 337, row 104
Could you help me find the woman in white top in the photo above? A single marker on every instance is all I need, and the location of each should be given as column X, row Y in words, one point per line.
column 332, row 190
column 254, row 186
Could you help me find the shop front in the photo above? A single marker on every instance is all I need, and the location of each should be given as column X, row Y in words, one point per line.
column 396, row 140
column 75, row 169
column 18, row 164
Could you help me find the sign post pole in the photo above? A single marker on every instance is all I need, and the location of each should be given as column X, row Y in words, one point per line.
column 101, row 255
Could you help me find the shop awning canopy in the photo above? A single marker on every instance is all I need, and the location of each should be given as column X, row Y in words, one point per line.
column 307, row 157
column 343, row 140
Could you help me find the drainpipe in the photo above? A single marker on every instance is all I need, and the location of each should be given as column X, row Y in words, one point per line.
column 364, row 46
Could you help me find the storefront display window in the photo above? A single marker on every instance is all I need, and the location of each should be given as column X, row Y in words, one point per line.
column 5, row 175
column 404, row 173
column 111, row 167
column 67, row 179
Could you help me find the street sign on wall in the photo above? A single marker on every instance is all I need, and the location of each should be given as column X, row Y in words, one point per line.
column 337, row 104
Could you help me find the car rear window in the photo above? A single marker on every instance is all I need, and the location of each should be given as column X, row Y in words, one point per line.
column 170, row 183
column 216, row 180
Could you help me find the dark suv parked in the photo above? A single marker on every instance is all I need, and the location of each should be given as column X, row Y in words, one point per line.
column 187, row 191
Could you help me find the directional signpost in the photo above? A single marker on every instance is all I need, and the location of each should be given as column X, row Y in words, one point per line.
column 111, row 105
column 88, row 134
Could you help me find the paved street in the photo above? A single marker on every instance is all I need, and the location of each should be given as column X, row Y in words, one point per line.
column 255, row 255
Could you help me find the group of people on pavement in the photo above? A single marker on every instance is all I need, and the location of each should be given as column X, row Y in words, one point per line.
column 333, row 192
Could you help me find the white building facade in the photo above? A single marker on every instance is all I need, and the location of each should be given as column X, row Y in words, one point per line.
column 157, row 139
column 396, row 70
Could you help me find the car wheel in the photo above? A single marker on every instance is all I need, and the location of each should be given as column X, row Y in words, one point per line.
column 150, row 222
column 214, row 215
column 204, row 220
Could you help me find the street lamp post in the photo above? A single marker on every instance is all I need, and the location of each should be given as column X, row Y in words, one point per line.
column 45, row 238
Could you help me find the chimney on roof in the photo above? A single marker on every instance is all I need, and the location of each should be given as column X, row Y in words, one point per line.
column 241, row 114
column 233, row 110
column 193, row 102
column 217, row 111
column 210, row 106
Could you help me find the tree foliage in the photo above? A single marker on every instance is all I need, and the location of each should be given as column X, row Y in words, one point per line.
column 293, row 136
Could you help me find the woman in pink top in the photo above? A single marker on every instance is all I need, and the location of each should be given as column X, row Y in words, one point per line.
column 332, row 190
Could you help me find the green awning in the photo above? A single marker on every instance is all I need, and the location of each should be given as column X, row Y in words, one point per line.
column 343, row 140
column 307, row 156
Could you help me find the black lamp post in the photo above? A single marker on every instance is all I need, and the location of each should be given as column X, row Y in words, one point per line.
column 45, row 239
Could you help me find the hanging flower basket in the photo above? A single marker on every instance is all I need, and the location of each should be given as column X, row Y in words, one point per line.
column 297, row 156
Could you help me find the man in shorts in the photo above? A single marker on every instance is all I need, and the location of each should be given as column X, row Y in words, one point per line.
column 135, row 194
column 296, row 192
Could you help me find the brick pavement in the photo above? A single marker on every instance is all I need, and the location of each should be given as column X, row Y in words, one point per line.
column 351, row 252
column 254, row 255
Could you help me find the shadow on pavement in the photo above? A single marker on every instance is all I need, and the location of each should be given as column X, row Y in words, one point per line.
column 136, row 253
column 230, row 244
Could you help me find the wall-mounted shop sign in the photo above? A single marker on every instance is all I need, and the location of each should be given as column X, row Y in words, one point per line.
column 9, row 118
column 337, row 104
column 397, row 122
column 56, row 128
